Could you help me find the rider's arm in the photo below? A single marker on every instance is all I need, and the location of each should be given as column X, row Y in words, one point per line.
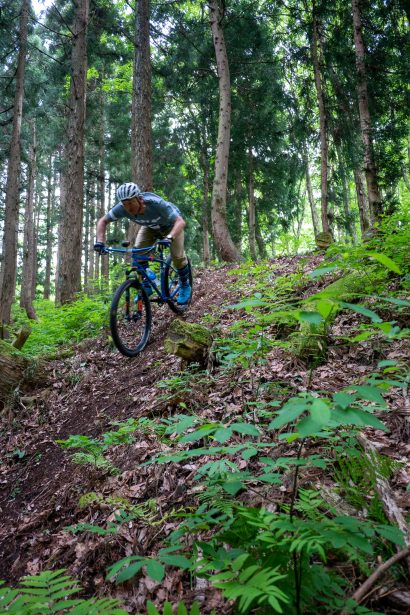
column 101, row 225
column 179, row 226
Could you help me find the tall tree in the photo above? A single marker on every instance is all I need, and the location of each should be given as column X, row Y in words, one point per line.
column 317, row 69
column 9, row 266
column 72, row 189
column 226, row 248
column 29, row 252
column 373, row 192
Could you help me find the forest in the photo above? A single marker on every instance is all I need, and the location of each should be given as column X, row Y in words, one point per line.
column 249, row 452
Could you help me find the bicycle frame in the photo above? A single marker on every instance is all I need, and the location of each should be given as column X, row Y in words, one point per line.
column 140, row 256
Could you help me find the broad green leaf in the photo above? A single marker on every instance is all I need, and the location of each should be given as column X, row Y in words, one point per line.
column 232, row 487
column 325, row 307
column 360, row 309
column 386, row 261
column 176, row 560
column 391, row 533
column 130, row 571
column 223, row 434
column 371, row 394
column 320, row 412
column 155, row 570
column 152, row 609
column 343, row 399
column 322, row 270
column 313, row 318
column 246, row 429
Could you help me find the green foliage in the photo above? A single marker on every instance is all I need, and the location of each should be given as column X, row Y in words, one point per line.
column 128, row 567
column 59, row 326
column 51, row 592
column 168, row 609
column 91, row 451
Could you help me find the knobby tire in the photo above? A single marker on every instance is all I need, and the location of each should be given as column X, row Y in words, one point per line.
column 130, row 318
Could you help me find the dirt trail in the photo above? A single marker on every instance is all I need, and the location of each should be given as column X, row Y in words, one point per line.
column 41, row 488
column 87, row 392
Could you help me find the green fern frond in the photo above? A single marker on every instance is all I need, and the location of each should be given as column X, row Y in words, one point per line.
column 48, row 593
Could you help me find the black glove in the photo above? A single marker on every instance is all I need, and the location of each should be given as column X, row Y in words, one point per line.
column 166, row 241
column 99, row 247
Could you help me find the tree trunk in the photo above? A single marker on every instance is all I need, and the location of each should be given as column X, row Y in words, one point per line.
column 361, row 201
column 91, row 254
column 322, row 122
column 9, row 265
column 49, row 233
column 237, row 232
column 205, row 206
column 373, row 193
column 225, row 247
column 251, row 208
column 101, row 184
column 87, row 237
column 263, row 253
column 69, row 272
column 141, row 133
column 29, row 254
column 311, row 199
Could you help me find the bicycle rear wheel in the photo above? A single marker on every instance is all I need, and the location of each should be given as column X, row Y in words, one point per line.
column 130, row 318
column 172, row 286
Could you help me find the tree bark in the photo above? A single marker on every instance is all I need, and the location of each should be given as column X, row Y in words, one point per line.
column 141, row 132
column 69, row 271
column 375, row 202
column 49, row 233
column 361, row 201
column 104, row 261
column 322, row 123
column 251, row 208
column 205, row 206
column 9, row 265
column 309, row 190
column 225, row 247
column 29, row 253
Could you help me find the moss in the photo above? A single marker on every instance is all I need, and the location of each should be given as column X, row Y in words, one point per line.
column 310, row 342
column 199, row 334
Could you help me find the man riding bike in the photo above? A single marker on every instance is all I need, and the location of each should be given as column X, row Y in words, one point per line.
column 159, row 219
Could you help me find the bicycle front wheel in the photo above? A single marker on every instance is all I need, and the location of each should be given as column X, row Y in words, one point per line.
column 130, row 318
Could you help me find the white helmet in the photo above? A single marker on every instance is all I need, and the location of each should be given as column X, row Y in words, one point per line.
column 127, row 191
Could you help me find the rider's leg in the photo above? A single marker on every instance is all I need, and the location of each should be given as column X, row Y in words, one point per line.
column 180, row 262
column 146, row 237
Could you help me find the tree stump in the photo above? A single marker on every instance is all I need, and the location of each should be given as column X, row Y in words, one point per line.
column 16, row 369
column 323, row 240
column 189, row 341
column 21, row 337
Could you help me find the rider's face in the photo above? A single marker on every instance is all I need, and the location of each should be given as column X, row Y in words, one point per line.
column 134, row 206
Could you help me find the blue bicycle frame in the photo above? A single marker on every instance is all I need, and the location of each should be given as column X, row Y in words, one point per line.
column 140, row 260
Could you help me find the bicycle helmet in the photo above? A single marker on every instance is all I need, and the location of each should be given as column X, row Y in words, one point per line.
column 127, row 191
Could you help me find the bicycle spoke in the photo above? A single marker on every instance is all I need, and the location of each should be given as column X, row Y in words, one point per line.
column 130, row 319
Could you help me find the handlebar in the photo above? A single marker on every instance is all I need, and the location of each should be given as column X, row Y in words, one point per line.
column 159, row 244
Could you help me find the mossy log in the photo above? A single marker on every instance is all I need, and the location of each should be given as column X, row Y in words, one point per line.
column 309, row 343
column 22, row 337
column 189, row 341
column 16, row 369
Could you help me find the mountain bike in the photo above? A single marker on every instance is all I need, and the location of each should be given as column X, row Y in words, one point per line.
column 130, row 313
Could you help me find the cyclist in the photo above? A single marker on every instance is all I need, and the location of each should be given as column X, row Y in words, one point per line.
column 159, row 219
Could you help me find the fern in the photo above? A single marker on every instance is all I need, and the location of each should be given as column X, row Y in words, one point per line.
column 50, row 592
column 168, row 609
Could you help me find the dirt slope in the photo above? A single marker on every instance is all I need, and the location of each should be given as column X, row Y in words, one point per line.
column 40, row 487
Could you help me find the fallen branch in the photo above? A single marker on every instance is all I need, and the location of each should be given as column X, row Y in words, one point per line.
column 390, row 506
column 361, row 592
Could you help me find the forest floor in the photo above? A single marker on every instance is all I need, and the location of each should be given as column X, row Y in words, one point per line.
column 40, row 486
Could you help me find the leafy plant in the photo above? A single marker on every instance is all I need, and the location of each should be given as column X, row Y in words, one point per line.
column 52, row 592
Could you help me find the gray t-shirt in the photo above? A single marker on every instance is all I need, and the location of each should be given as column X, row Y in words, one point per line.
column 159, row 214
